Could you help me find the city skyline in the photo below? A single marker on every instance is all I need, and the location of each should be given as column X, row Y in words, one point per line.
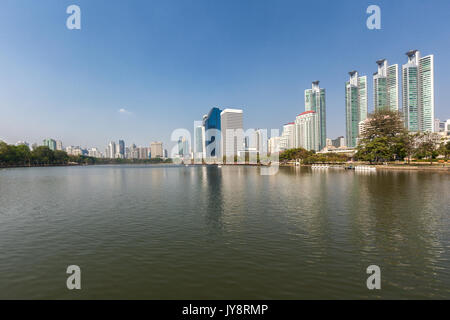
column 66, row 109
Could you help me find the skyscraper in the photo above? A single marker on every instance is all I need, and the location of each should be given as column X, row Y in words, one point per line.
column 232, row 124
column 133, row 152
column 307, row 130
column 156, row 150
column 261, row 141
column 183, row 147
column 274, row 144
column 315, row 101
column 59, row 145
column 50, row 143
column 111, row 150
column 199, row 138
column 121, row 150
column 287, row 140
column 212, row 125
column 143, row 152
column 418, row 92
column 355, row 106
column 385, row 86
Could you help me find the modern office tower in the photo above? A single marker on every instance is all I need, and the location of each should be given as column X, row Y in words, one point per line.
column 180, row 146
column 74, row 151
column 143, row 153
column 183, row 147
column 134, row 152
column 111, row 150
column 329, row 142
column 444, row 131
column 307, row 131
column 251, row 141
column 156, row 150
column 50, row 143
column 232, row 124
column 94, row 152
column 261, row 141
column 121, row 150
column 315, row 101
column 439, row 126
column 362, row 127
column 287, row 140
column 385, row 87
column 255, row 143
column 338, row 142
column 274, row 144
column 212, row 125
column 59, row 145
column 355, row 106
column 418, row 92
column 199, row 145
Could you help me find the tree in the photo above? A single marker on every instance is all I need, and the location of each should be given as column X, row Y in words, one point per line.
column 5, row 153
column 410, row 142
column 376, row 150
column 42, row 155
column 60, row 157
column 23, row 154
column 444, row 150
column 382, row 138
column 428, row 146
column 294, row 154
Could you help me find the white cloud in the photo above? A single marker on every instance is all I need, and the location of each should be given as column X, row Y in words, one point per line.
column 124, row 111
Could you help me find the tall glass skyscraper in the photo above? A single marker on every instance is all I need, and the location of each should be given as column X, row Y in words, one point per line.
column 418, row 92
column 385, row 87
column 50, row 143
column 355, row 106
column 315, row 101
column 121, row 148
column 211, row 122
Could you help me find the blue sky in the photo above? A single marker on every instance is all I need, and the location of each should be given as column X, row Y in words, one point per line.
column 168, row 62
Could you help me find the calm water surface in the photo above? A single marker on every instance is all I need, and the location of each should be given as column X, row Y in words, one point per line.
column 159, row 232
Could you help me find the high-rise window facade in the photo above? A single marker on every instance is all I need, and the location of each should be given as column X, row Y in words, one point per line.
column 121, row 148
column 355, row 106
column 418, row 92
column 315, row 101
column 211, row 123
column 307, row 130
column 50, row 143
column 232, row 125
column 385, row 87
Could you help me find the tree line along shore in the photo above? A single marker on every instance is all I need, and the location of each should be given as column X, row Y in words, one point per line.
column 22, row 156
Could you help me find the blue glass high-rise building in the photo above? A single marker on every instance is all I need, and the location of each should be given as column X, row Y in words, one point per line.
column 121, row 147
column 211, row 122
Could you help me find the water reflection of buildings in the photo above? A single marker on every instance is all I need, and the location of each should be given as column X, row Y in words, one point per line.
column 212, row 188
column 389, row 221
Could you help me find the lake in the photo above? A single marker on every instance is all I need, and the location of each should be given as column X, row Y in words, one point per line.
column 203, row 232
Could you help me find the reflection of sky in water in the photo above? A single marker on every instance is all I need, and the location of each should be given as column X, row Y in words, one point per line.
column 208, row 232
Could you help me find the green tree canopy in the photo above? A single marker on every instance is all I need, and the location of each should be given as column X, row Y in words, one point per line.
column 294, row 154
column 383, row 137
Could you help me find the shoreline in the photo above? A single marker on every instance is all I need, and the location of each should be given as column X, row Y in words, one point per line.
column 402, row 167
